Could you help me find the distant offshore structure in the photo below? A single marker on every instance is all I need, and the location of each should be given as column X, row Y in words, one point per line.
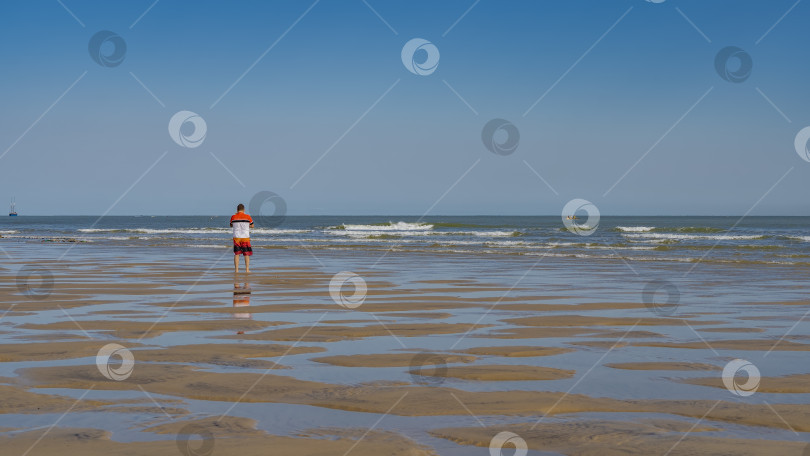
column 12, row 212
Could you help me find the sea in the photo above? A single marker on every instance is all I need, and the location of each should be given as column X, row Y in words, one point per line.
column 752, row 240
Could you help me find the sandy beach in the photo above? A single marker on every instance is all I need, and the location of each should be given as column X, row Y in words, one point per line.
column 404, row 228
column 433, row 359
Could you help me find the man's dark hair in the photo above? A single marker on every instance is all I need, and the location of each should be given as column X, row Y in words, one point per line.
column 240, row 207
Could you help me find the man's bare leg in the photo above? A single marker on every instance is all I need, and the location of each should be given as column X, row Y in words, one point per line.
column 236, row 263
column 247, row 263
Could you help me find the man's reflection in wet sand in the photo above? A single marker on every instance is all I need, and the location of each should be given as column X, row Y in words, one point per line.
column 241, row 298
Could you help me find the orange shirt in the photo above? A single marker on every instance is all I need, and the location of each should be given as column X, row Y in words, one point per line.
column 241, row 224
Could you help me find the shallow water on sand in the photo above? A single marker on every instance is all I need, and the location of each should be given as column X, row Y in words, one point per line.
column 168, row 298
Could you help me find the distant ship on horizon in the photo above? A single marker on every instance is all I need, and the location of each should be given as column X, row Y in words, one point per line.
column 12, row 212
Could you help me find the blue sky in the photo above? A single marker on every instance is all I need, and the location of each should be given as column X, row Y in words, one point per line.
column 616, row 78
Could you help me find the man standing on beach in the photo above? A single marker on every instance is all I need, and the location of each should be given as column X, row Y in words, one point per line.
column 241, row 223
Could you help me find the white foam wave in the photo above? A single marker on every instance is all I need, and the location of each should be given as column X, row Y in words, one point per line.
column 460, row 243
column 711, row 237
column 153, row 230
column 647, row 240
column 188, row 230
column 365, row 234
column 9, row 232
column 797, row 238
column 506, row 243
column 635, row 229
column 626, row 247
column 494, row 233
column 610, row 257
column 392, row 226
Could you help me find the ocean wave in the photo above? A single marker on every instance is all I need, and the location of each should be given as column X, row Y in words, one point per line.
column 152, row 230
column 506, row 243
column 360, row 234
column 390, row 226
column 615, row 257
column 9, row 232
column 652, row 240
column 620, row 247
column 274, row 231
column 719, row 237
column 635, row 229
column 381, row 237
column 496, row 233
column 188, row 230
column 795, row 238
column 679, row 229
column 698, row 229
column 670, row 247
column 459, row 242
column 464, row 225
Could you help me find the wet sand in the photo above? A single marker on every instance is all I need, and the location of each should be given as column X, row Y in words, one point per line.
column 602, row 377
column 231, row 440
column 599, row 438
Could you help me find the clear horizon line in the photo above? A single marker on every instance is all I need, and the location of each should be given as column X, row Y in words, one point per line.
column 411, row 215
